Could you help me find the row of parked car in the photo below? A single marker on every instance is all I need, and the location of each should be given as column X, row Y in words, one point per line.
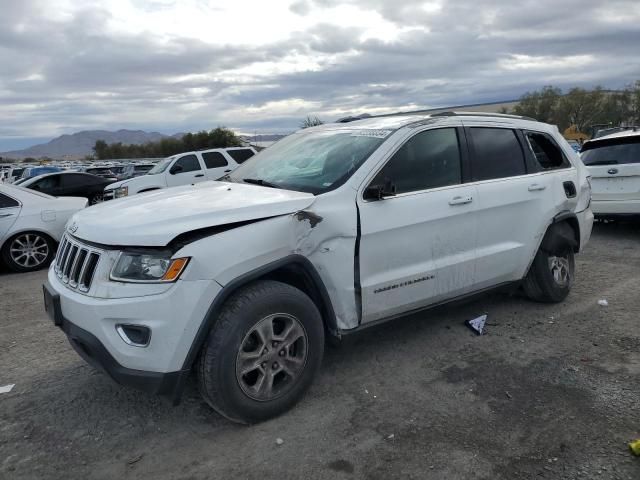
column 42, row 218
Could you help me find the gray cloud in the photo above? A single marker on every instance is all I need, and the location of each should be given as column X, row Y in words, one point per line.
column 65, row 75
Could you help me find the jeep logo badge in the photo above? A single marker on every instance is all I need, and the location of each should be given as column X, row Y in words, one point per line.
column 73, row 227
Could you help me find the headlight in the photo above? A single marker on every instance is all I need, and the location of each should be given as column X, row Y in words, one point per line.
column 148, row 267
column 121, row 192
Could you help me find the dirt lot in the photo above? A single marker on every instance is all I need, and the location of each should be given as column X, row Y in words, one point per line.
column 553, row 391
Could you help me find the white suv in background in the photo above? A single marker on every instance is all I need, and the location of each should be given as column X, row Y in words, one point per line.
column 331, row 230
column 613, row 161
column 182, row 169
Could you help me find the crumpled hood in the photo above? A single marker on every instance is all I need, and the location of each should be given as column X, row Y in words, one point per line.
column 155, row 218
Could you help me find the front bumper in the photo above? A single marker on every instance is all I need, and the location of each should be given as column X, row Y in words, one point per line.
column 91, row 349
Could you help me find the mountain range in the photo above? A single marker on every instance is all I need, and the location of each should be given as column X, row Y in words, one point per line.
column 77, row 145
column 80, row 144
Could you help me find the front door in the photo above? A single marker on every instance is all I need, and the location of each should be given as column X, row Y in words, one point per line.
column 185, row 170
column 417, row 245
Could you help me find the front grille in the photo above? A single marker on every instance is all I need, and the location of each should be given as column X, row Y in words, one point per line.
column 75, row 264
column 108, row 195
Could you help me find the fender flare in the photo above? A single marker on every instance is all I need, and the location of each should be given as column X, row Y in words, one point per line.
column 564, row 229
column 218, row 302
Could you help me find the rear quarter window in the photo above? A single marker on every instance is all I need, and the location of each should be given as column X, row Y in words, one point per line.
column 546, row 151
column 241, row 155
column 7, row 202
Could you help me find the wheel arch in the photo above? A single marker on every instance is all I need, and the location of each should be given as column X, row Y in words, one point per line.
column 564, row 228
column 294, row 270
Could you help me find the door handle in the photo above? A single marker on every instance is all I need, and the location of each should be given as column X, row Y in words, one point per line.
column 460, row 200
column 227, row 171
column 199, row 175
column 536, row 187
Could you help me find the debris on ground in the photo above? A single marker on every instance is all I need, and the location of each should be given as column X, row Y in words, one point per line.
column 7, row 388
column 635, row 447
column 135, row 459
column 477, row 324
column 509, row 396
column 391, row 437
column 603, row 302
column 279, row 441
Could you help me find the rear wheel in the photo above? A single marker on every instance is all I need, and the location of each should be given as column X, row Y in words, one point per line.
column 550, row 276
column 263, row 352
column 28, row 251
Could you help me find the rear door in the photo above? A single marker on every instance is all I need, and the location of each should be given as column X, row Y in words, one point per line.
column 9, row 210
column 417, row 246
column 614, row 165
column 217, row 164
column 515, row 203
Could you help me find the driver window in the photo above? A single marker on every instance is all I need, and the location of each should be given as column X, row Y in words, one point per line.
column 189, row 163
column 429, row 159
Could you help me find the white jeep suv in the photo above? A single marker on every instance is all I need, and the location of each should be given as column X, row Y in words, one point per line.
column 328, row 231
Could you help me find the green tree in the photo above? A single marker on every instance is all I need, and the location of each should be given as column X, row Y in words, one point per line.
column 541, row 105
column 581, row 108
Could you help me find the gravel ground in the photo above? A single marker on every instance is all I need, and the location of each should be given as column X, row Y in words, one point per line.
column 552, row 391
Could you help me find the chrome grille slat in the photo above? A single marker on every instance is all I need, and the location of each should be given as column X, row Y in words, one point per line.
column 76, row 263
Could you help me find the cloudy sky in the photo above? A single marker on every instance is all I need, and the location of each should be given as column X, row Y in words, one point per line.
column 263, row 65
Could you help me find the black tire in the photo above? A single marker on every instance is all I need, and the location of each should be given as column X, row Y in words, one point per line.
column 236, row 340
column 41, row 254
column 95, row 199
column 543, row 283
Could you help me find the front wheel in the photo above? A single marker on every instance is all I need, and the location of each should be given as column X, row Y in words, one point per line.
column 551, row 275
column 263, row 352
column 28, row 251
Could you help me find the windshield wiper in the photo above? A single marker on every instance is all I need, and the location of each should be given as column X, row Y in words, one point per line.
column 259, row 181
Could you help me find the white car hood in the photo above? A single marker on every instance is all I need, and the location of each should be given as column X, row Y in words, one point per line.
column 155, row 218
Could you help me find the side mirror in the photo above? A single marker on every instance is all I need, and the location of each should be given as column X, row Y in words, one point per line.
column 379, row 192
column 176, row 169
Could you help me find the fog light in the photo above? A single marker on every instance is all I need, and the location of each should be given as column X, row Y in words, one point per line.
column 134, row 335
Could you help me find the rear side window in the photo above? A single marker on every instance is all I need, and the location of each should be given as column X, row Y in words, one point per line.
column 615, row 151
column 214, row 160
column 241, row 155
column 78, row 179
column 546, row 150
column 429, row 159
column 497, row 154
column 189, row 163
column 47, row 183
column 7, row 202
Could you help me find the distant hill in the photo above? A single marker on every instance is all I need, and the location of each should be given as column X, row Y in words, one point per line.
column 79, row 144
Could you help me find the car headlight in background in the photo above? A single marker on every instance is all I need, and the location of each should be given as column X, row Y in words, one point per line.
column 148, row 267
column 121, row 192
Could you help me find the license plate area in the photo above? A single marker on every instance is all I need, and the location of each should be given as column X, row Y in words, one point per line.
column 52, row 306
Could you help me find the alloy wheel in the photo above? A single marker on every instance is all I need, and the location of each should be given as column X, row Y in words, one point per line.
column 272, row 357
column 29, row 250
column 560, row 270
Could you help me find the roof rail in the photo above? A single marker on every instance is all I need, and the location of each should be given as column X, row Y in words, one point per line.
column 481, row 114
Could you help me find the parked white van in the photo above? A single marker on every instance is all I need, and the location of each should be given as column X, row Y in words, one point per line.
column 330, row 230
column 182, row 169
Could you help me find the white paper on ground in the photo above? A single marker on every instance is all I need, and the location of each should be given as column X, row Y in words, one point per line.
column 7, row 388
column 477, row 324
